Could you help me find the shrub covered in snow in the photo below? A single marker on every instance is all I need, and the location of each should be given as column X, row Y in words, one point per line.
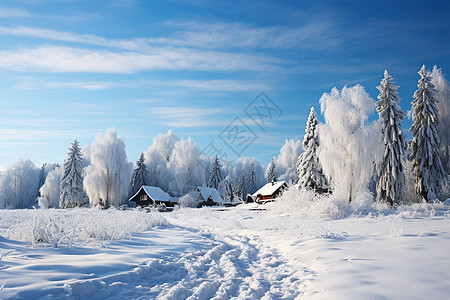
column 75, row 226
column 189, row 200
column 295, row 201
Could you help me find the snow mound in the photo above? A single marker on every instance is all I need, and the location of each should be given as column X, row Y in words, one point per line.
column 68, row 227
column 307, row 203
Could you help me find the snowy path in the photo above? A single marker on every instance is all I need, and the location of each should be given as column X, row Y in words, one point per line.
column 236, row 268
column 169, row 262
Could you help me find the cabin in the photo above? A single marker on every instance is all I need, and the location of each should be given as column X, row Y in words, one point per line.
column 268, row 192
column 152, row 196
column 209, row 197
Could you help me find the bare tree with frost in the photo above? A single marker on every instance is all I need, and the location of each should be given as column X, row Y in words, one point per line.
column 424, row 147
column 71, row 185
column 390, row 178
column 107, row 177
column 309, row 168
column 347, row 142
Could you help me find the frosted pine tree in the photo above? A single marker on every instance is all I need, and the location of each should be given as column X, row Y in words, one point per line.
column 71, row 186
column 442, row 86
column 140, row 175
column 242, row 186
column 216, row 174
column 251, row 179
column 309, row 169
column 424, row 147
column 42, row 177
column 390, row 178
column 271, row 172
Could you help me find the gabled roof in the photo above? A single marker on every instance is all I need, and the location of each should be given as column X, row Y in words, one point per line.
column 154, row 192
column 206, row 192
column 269, row 188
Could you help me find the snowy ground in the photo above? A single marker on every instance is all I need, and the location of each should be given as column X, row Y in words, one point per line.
column 234, row 253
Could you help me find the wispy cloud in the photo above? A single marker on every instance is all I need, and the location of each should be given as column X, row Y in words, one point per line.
column 67, row 59
column 30, row 83
column 316, row 33
column 189, row 116
column 11, row 12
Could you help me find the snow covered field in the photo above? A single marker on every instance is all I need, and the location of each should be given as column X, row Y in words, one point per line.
column 233, row 253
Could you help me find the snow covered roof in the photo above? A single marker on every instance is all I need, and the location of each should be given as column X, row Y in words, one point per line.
column 206, row 192
column 154, row 192
column 269, row 188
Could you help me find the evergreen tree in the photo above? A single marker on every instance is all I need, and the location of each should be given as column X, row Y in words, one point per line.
column 216, row 174
column 242, row 187
column 390, row 178
column 442, row 87
column 424, row 147
column 309, row 168
column 42, row 177
column 140, row 175
column 231, row 193
column 71, row 186
column 271, row 172
column 251, row 180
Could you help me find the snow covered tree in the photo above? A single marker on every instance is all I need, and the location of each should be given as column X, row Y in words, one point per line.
column 251, row 179
column 18, row 185
column 140, row 175
column 216, row 174
column 390, row 178
column 42, row 176
column 51, row 189
column 242, row 187
column 347, row 142
column 108, row 176
column 442, row 87
column 271, row 172
column 309, row 168
column 71, row 185
column 424, row 147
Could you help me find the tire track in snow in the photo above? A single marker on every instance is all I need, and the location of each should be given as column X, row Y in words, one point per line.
column 233, row 267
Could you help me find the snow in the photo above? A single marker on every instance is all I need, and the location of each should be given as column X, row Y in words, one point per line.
column 229, row 254
column 206, row 192
column 268, row 188
column 156, row 193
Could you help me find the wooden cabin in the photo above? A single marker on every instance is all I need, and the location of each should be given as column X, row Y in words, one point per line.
column 209, row 197
column 268, row 192
column 152, row 196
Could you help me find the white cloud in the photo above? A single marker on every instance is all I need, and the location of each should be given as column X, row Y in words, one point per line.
column 9, row 12
column 315, row 33
column 189, row 116
column 30, row 83
column 66, row 59
column 56, row 35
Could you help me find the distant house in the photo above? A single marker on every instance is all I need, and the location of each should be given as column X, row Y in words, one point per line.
column 152, row 195
column 268, row 192
column 209, row 196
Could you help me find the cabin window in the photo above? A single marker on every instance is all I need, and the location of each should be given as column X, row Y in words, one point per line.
column 143, row 198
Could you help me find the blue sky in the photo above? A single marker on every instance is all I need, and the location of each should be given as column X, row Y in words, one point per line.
column 72, row 69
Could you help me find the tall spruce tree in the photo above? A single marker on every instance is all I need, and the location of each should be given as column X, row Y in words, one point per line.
column 42, row 176
column 309, row 168
column 71, row 185
column 390, row 178
column 140, row 175
column 424, row 147
column 251, row 179
column 271, row 172
column 216, row 174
